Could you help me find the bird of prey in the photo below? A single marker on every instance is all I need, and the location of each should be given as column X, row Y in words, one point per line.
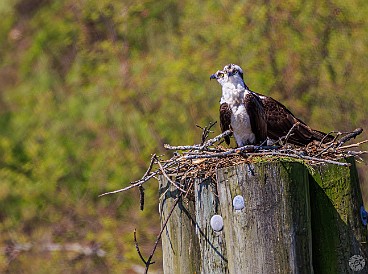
column 280, row 120
column 240, row 109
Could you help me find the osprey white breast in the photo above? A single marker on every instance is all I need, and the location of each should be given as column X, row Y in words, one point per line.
column 240, row 121
column 240, row 109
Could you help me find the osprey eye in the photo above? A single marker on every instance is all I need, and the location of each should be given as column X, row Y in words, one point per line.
column 221, row 75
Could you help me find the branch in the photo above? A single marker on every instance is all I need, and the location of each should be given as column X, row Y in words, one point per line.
column 141, row 197
column 141, row 188
column 199, row 147
column 168, row 178
column 324, row 150
column 338, row 133
column 206, row 131
column 298, row 156
column 137, row 247
column 349, row 136
column 290, row 131
column 153, row 159
column 217, row 138
column 85, row 250
column 354, row 145
column 148, row 263
column 139, row 182
column 247, row 148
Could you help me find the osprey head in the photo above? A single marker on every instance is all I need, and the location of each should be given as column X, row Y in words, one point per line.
column 220, row 76
column 233, row 70
column 231, row 74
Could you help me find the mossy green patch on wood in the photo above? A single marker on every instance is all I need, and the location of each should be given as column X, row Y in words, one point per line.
column 282, row 159
column 337, row 232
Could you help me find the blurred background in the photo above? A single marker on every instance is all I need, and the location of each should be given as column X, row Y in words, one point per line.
column 90, row 89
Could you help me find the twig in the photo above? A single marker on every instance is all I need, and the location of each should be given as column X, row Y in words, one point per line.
column 355, row 153
column 148, row 263
column 141, row 188
column 325, row 149
column 206, row 131
column 354, row 145
column 349, row 136
column 199, row 147
column 324, row 160
column 189, row 188
column 168, row 178
column 298, row 156
column 153, row 159
column 218, row 137
column 328, row 134
column 169, row 147
column 139, row 182
column 247, row 148
column 290, row 132
column 141, row 197
column 137, row 248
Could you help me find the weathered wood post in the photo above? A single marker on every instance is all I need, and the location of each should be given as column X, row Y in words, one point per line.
column 212, row 243
column 337, row 229
column 191, row 245
column 181, row 244
column 273, row 233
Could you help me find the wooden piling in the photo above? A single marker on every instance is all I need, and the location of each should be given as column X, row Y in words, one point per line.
column 295, row 220
column 271, row 234
column 337, row 229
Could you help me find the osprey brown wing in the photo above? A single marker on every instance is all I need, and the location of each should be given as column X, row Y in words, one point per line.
column 280, row 120
column 257, row 116
column 225, row 120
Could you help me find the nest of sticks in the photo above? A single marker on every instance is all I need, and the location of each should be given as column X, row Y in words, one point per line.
column 202, row 161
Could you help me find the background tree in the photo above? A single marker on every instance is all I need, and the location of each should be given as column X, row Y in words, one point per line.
column 89, row 89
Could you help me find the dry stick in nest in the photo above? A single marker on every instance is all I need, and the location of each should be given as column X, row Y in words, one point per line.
column 199, row 147
column 298, row 156
column 169, row 163
column 233, row 151
column 168, row 178
column 206, row 131
column 354, row 145
column 327, row 148
column 338, row 133
column 290, row 132
column 347, row 137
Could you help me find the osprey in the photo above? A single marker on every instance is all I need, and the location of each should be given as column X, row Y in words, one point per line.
column 280, row 120
column 241, row 110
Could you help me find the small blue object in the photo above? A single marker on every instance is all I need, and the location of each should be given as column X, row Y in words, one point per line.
column 238, row 202
column 217, row 223
column 363, row 215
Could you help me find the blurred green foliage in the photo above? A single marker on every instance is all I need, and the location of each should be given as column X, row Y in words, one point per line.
column 89, row 89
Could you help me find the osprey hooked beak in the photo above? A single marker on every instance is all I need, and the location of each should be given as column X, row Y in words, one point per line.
column 218, row 74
